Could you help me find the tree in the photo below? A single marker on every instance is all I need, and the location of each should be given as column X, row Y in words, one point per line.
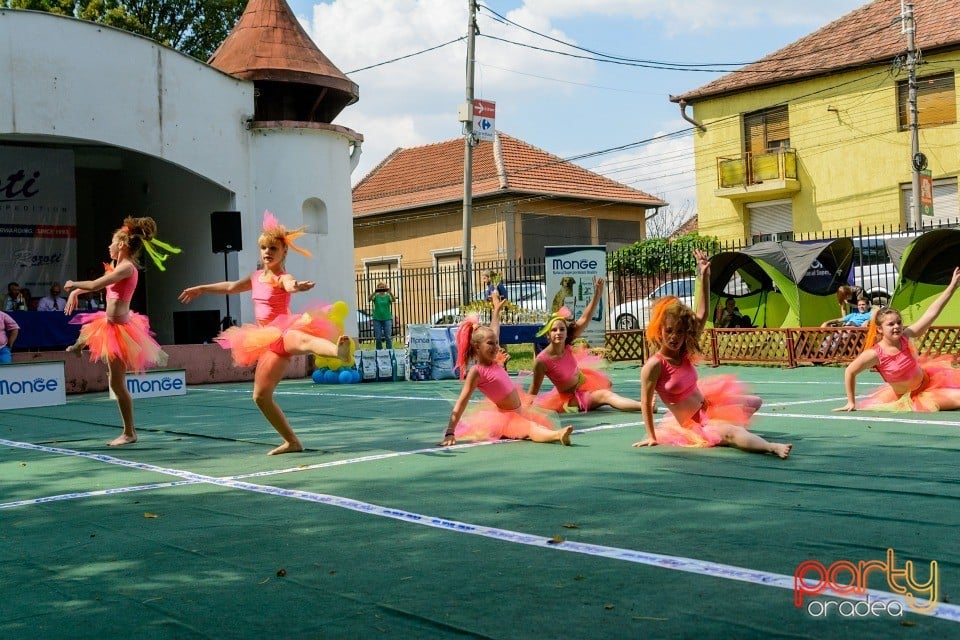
column 669, row 220
column 193, row 27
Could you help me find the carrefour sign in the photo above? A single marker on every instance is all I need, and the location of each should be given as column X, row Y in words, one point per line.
column 156, row 384
column 38, row 384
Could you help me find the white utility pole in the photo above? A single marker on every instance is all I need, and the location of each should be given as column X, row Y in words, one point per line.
column 466, row 117
column 917, row 160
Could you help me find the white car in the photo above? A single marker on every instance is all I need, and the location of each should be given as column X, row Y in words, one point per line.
column 529, row 296
column 636, row 313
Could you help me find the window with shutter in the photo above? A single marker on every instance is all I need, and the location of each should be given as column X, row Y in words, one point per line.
column 936, row 101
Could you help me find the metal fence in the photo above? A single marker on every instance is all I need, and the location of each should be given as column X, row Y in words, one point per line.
column 435, row 295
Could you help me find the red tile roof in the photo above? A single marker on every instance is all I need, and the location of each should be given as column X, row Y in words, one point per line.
column 433, row 174
column 864, row 37
column 268, row 43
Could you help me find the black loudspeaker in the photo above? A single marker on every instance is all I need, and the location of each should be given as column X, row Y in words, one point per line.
column 195, row 327
column 225, row 231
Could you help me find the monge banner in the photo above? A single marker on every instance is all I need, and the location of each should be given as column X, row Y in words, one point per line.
column 571, row 273
column 38, row 217
column 156, row 384
column 38, row 384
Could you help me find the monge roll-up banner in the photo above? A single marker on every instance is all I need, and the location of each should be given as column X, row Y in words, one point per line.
column 37, row 384
column 38, row 217
column 571, row 272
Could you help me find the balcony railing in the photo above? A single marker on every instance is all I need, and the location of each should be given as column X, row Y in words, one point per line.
column 772, row 173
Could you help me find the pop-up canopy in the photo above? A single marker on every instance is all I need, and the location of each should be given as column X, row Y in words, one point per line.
column 926, row 266
column 783, row 284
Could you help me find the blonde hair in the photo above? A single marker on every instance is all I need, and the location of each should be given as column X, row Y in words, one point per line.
column 873, row 329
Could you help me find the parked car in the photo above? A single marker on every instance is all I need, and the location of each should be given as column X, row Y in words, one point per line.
column 529, row 295
column 873, row 269
column 364, row 325
column 636, row 313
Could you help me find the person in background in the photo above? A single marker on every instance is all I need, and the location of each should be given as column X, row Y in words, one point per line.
column 30, row 300
column 491, row 283
column 729, row 317
column 52, row 301
column 382, row 300
column 858, row 318
column 15, row 300
column 7, row 337
column 847, row 296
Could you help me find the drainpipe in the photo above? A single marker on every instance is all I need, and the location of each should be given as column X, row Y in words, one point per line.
column 683, row 114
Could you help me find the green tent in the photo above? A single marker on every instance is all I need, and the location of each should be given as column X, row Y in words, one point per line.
column 782, row 284
column 926, row 267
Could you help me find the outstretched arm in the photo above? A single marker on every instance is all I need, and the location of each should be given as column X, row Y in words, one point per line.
column 469, row 384
column 539, row 370
column 123, row 271
column 860, row 364
column 226, row 287
column 923, row 322
column 703, row 300
column 497, row 300
column 648, row 383
column 581, row 324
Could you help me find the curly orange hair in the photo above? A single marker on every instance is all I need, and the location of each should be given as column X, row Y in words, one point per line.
column 684, row 318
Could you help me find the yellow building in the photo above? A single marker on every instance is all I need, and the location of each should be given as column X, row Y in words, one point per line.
column 815, row 138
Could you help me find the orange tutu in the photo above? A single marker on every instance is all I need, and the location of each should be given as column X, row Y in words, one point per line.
column 485, row 421
column 250, row 341
column 938, row 373
column 723, row 403
column 591, row 380
column 131, row 342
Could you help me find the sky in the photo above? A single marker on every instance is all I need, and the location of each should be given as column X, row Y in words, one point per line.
column 568, row 105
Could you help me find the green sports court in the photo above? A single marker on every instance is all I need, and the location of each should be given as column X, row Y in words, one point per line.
column 374, row 532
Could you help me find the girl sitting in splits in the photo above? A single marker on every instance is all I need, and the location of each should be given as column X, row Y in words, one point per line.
column 913, row 384
column 577, row 387
column 714, row 412
column 502, row 415
column 118, row 336
column 278, row 334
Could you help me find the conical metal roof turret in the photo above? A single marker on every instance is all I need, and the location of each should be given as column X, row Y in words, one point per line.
column 293, row 78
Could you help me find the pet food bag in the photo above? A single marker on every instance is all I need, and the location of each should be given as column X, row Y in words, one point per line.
column 419, row 362
column 443, row 352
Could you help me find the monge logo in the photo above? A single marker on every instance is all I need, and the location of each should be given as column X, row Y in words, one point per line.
column 154, row 385
column 23, row 387
column 845, row 577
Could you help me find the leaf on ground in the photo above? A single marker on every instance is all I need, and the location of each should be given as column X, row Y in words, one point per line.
column 281, row 573
column 608, row 607
column 147, row 514
column 570, row 526
column 555, row 540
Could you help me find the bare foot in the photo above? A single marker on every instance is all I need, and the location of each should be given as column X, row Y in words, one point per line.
column 345, row 350
column 782, row 450
column 75, row 349
column 565, row 436
column 122, row 440
column 287, row 447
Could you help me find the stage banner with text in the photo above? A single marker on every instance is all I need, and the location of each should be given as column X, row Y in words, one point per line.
column 38, row 217
column 570, row 274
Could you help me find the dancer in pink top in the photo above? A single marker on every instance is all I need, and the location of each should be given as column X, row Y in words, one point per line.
column 503, row 415
column 577, row 386
column 713, row 412
column 913, row 384
column 278, row 334
column 118, row 336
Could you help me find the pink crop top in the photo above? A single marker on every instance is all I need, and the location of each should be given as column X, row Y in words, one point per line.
column 560, row 370
column 269, row 300
column 494, row 381
column 899, row 367
column 123, row 289
column 676, row 382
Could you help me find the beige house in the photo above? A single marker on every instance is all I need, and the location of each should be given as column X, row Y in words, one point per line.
column 408, row 211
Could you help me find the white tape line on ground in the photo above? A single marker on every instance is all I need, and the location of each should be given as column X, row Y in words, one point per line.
column 900, row 419
column 677, row 563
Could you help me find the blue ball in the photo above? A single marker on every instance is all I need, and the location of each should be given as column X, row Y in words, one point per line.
column 330, row 377
column 356, row 375
column 317, row 375
column 345, row 376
